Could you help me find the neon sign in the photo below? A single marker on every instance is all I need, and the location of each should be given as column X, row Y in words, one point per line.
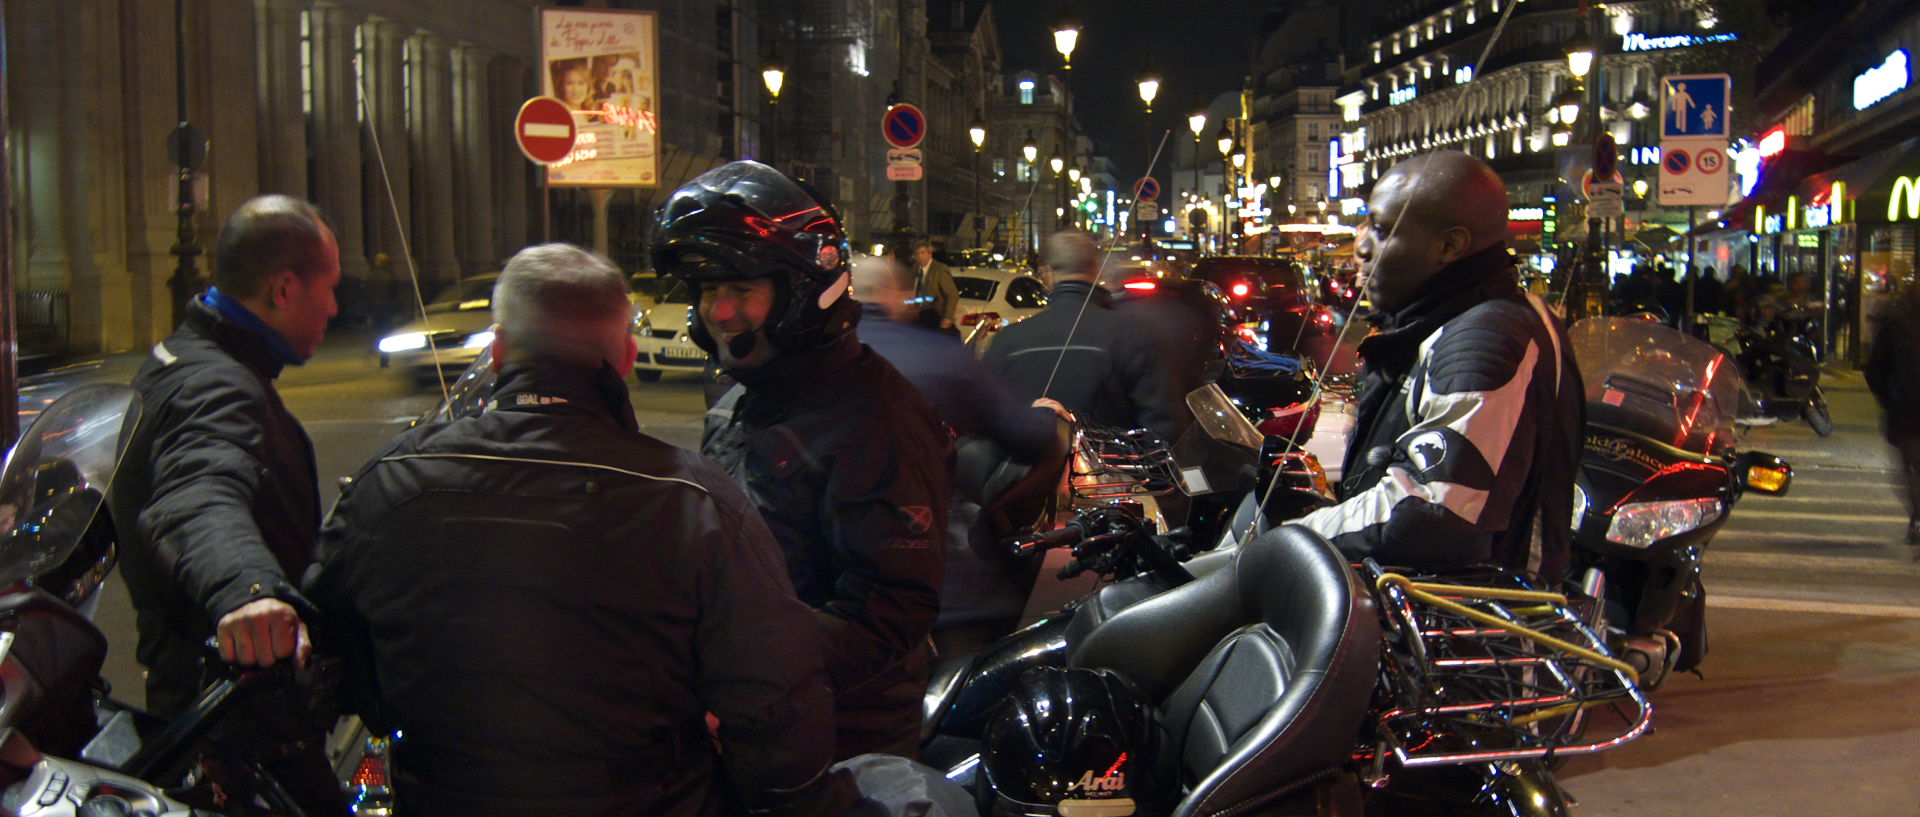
column 1642, row 42
column 1881, row 81
column 1773, row 142
column 1908, row 187
column 1526, row 214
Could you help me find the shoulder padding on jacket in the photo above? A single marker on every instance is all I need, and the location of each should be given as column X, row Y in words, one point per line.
column 1481, row 349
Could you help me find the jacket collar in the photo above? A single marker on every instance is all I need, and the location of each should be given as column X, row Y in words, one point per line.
column 560, row 388
column 796, row 370
column 1456, row 288
column 242, row 343
column 1079, row 290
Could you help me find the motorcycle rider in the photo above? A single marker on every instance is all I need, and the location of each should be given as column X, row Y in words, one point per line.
column 546, row 602
column 844, row 458
column 1468, row 426
column 1105, row 368
column 218, row 491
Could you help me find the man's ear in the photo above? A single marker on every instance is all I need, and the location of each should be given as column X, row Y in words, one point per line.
column 280, row 295
column 1456, row 243
column 498, row 347
column 625, row 364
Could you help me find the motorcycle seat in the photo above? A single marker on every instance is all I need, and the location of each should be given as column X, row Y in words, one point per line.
column 1261, row 673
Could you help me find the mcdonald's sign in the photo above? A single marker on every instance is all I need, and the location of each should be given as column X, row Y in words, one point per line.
column 1907, row 187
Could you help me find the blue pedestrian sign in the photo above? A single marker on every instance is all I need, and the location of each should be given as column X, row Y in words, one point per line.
column 1694, row 105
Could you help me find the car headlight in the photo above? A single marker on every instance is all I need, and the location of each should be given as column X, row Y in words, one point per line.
column 405, row 341
column 479, row 339
column 642, row 326
column 1640, row 524
column 1579, row 506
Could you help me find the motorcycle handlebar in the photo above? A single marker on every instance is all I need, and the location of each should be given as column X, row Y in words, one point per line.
column 1070, row 534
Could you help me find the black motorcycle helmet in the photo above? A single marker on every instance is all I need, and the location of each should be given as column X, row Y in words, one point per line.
column 1075, row 741
column 745, row 220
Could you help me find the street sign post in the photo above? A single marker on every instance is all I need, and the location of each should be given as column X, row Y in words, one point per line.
column 1147, row 189
column 1605, row 199
column 1693, row 146
column 903, row 126
column 545, row 130
column 904, row 165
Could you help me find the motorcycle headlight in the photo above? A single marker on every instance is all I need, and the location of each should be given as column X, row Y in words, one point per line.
column 1640, row 524
column 1579, row 506
column 403, row 342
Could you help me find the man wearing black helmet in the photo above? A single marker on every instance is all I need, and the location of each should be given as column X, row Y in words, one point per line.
column 844, row 459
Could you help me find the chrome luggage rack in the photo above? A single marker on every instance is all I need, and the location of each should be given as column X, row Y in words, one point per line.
column 1483, row 668
column 1112, row 462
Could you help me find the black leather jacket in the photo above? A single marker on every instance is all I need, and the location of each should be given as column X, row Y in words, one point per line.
column 853, row 471
column 1105, row 367
column 216, row 499
column 1467, row 431
column 547, row 602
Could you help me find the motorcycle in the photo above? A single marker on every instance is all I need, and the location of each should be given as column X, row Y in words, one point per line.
column 1782, row 370
column 1659, row 474
column 66, row 746
column 1277, row 676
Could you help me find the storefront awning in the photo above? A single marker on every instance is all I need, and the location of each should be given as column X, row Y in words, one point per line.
column 1782, row 177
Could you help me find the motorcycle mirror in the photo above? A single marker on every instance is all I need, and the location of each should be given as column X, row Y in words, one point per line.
column 1765, row 473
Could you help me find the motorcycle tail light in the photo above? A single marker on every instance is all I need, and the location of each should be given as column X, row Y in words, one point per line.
column 1640, row 524
column 372, row 771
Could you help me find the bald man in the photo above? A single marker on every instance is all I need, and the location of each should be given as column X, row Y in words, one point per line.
column 1467, row 431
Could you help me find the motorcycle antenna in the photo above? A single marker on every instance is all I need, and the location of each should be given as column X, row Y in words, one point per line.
column 1366, row 275
column 400, row 230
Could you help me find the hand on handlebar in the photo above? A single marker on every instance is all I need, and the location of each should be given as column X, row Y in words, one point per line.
column 263, row 631
column 1055, row 407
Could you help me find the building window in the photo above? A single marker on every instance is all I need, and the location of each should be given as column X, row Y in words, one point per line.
column 1313, row 190
column 1313, row 131
column 1000, row 168
column 1026, row 92
column 1313, row 160
column 1470, row 14
column 1023, row 171
column 306, row 62
column 1446, row 24
column 1376, row 53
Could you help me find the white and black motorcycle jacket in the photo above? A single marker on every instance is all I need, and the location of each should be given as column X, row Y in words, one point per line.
column 1468, row 431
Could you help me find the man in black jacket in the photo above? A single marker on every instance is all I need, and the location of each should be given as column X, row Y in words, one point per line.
column 546, row 602
column 843, row 457
column 1893, row 375
column 1105, row 368
column 217, row 495
column 1468, row 426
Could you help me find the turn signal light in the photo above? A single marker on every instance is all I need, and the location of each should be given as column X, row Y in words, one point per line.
column 1766, row 479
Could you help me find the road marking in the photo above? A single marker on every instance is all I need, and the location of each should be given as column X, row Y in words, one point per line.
column 1823, row 539
column 1899, row 518
column 1808, row 606
column 1901, row 564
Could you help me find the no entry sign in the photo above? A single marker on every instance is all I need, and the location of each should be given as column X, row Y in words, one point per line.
column 544, row 129
column 904, row 126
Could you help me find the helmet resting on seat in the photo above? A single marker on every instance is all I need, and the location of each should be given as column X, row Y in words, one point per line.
column 1075, row 741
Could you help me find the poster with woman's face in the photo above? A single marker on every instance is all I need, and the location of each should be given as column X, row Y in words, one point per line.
column 604, row 65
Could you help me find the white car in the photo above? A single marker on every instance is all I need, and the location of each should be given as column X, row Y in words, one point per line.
column 660, row 332
column 456, row 328
column 992, row 299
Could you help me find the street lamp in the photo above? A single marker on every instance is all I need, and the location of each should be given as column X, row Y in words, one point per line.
column 1066, row 33
column 1149, row 81
column 978, row 134
column 1031, row 149
column 1225, row 140
column 1197, row 122
column 1059, row 166
column 1567, row 104
column 1073, row 175
column 1580, row 53
column 773, row 71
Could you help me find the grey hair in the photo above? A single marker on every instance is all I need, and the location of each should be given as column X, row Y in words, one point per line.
column 560, row 302
column 1071, row 256
column 873, row 272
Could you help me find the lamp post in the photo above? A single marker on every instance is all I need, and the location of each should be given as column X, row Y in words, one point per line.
column 1589, row 288
column 978, row 134
column 1149, row 82
column 1073, row 182
column 1196, row 122
column 1225, row 142
column 1239, row 160
column 1059, row 166
column 1066, row 34
column 773, row 72
column 1031, row 150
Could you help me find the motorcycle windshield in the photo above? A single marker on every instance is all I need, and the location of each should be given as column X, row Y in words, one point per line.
column 1647, row 379
column 57, row 476
column 468, row 394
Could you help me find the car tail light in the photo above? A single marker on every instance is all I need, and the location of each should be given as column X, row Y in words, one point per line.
column 1141, row 286
column 1323, row 316
column 988, row 318
column 1240, row 290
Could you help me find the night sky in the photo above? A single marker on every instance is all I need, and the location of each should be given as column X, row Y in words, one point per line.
column 1198, row 46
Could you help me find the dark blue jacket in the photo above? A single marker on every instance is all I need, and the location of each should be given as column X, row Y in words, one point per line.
column 968, row 397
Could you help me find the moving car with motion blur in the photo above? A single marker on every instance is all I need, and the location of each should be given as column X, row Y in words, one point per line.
column 1290, row 317
column 660, row 333
column 992, row 299
column 455, row 329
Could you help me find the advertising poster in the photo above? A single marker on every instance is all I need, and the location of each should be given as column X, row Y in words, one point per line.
column 605, row 66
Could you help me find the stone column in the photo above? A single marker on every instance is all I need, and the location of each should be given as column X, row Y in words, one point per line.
column 388, row 178
column 474, row 132
column 283, row 134
column 336, row 136
column 431, row 134
column 512, row 182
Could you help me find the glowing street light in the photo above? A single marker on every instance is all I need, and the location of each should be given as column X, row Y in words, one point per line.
column 1073, row 175
column 1066, row 33
column 978, row 133
column 1580, row 53
column 1568, row 106
column 1149, row 81
column 1058, row 164
column 1197, row 122
column 1225, row 140
column 1031, row 149
column 773, row 71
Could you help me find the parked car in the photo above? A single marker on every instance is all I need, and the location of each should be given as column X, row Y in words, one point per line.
column 1292, row 318
column 660, row 333
column 455, row 329
column 992, row 299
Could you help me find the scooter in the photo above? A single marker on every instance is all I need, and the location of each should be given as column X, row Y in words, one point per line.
column 1782, row 370
column 1278, row 676
column 1659, row 475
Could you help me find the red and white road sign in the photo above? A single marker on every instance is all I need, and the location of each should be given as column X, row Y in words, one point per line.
column 545, row 130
